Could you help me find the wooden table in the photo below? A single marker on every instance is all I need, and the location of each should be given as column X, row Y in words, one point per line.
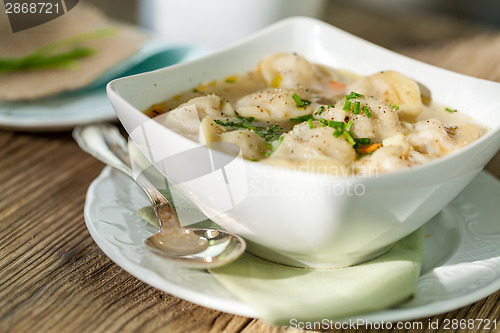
column 54, row 278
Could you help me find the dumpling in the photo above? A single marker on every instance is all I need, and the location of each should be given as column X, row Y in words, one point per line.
column 292, row 71
column 185, row 119
column 386, row 158
column 383, row 123
column 251, row 145
column 315, row 148
column 432, row 137
column 393, row 88
column 274, row 105
column 287, row 70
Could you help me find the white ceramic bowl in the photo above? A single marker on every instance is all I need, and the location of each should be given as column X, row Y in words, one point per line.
column 296, row 217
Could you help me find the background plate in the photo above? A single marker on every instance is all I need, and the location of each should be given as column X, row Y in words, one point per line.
column 90, row 104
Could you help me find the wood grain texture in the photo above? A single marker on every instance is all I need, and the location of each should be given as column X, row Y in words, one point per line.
column 54, row 278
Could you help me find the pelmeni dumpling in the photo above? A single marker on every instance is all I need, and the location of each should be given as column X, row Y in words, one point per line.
column 186, row 118
column 393, row 88
column 312, row 149
column 251, row 145
column 274, row 105
column 383, row 122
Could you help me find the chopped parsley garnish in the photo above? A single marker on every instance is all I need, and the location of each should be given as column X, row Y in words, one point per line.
column 367, row 112
column 301, row 103
column 268, row 133
column 302, row 118
column 450, row 110
column 395, row 106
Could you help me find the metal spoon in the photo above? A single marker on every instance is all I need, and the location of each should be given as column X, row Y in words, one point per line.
column 196, row 248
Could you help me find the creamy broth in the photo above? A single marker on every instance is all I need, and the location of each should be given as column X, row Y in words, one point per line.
column 291, row 113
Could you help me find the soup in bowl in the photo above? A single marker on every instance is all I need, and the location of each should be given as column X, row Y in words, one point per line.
column 317, row 147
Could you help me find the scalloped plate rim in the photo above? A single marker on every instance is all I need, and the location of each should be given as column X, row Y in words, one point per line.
column 235, row 306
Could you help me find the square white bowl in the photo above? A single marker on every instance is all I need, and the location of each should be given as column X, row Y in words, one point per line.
column 295, row 217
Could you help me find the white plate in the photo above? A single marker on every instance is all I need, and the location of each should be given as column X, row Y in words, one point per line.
column 90, row 104
column 461, row 259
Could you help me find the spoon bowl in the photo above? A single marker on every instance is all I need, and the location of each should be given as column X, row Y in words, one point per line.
column 195, row 248
column 217, row 249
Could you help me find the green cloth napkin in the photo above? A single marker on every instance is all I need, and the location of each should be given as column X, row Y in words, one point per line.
column 280, row 293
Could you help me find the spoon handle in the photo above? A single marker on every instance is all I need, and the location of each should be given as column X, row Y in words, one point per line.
column 104, row 142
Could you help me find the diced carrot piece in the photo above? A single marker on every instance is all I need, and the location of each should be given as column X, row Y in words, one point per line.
column 155, row 110
column 369, row 149
column 335, row 86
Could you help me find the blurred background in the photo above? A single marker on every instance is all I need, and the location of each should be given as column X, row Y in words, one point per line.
column 395, row 24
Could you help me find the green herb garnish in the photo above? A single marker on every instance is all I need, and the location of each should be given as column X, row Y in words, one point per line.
column 348, row 126
column 338, row 132
column 363, row 141
column 323, row 122
column 367, row 111
column 270, row 146
column 302, row 118
column 357, row 107
column 339, row 127
column 336, row 124
column 61, row 54
column 353, row 95
column 320, row 110
column 268, row 133
column 347, row 105
column 300, row 102
column 349, row 138
column 395, row 106
column 450, row 110
column 310, row 123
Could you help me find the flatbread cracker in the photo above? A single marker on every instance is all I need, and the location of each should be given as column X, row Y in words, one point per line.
column 35, row 84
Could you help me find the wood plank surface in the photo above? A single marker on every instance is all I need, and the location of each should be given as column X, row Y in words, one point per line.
column 54, row 278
